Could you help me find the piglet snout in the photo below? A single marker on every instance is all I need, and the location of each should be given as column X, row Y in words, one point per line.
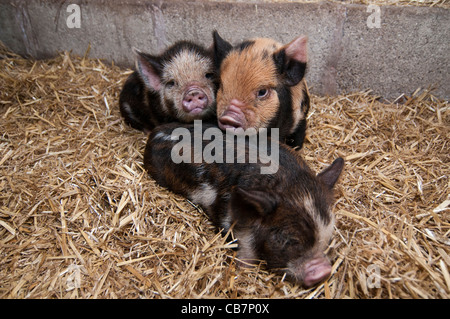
column 316, row 271
column 233, row 117
column 195, row 100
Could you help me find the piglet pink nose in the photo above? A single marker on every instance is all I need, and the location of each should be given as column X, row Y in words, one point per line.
column 194, row 99
column 316, row 270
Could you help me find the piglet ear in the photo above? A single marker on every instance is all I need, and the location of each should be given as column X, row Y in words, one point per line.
column 297, row 49
column 291, row 60
column 247, row 204
column 221, row 49
column 330, row 175
column 149, row 69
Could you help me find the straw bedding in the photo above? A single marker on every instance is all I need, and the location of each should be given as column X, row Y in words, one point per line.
column 79, row 217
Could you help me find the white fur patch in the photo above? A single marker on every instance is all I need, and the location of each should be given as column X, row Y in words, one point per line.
column 227, row 221
column 246, row 252
column 297, row 99
column 298, row 116
column 163, row 136
column 205, row 195
column 325, row 230
column 187, row 66
column 127, row 108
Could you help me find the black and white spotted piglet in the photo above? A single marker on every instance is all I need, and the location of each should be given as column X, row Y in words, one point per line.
column 175, row 86
column 283, row 218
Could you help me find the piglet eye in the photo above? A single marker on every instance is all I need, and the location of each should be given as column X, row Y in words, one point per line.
column 209, row 76
column 262, row 93
column 170, row 83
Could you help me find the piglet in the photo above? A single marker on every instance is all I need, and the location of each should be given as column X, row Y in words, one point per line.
column 282, row 216
column 262, row 85
column 175, row 86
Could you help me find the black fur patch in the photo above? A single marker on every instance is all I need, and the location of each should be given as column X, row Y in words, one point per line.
column 154, row 61
column 292, row 71
column 265, row 54
column 279, row 59
column 305, row 102
column 296, row 139
column 181, row 46
column 244, row 45
column 283, row 119
column 171, row 107
column 221, row 49
column 295, row 72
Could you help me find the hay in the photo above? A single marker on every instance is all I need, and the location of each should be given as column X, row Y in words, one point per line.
column 79, row 217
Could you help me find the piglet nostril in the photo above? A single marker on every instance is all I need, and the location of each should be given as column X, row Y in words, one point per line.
column 194, row 99
column 316, row 271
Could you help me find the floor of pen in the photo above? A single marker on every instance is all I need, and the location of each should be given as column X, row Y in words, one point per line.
column 79, row 217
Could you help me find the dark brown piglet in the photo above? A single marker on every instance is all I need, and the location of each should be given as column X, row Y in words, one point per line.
column 283, row 218
column 176, row 86
column 262, row 85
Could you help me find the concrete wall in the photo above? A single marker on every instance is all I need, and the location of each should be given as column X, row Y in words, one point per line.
column 410, row 49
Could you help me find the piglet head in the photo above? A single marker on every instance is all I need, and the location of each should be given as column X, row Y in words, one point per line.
column 183, row 78
column 291, row 230
column 255, row 79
